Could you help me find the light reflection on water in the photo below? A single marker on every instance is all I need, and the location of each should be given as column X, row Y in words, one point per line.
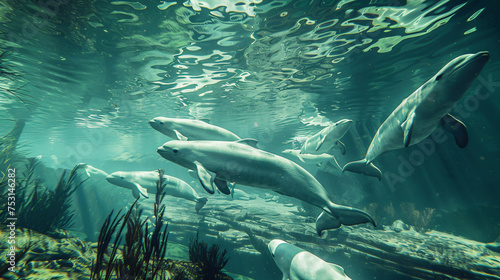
column 250, row 61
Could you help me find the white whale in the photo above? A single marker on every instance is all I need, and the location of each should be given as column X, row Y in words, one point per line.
column 187, row 129
column 423, row 111
column 318, row 159
column 327, row 138
column 144, row 182
column 298, row 264
column 220, row 162
column 92, row 171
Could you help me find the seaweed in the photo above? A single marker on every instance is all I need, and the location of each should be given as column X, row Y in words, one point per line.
column 143, row 253
column 37, row 207
column 211, row 260
column 106, row 234
column 419, row 219
column 42, row 209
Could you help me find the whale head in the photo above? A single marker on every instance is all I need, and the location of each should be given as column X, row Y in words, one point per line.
column 273, row 245
column 164, row 125
column 451, row 82
column 118, row 178
column 338, row 129
column 341, row 127
column 178, row 152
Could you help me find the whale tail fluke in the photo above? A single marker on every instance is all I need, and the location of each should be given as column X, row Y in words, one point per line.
column 200, row 202
column 361, row 167
column 341, row 215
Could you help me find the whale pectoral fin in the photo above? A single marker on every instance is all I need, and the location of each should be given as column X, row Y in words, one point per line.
column 140, row 190
column 457, row 128
column 205, row 178
column 180, row 136
column 87, row 171
column 248, row 141
column 222, row 186
column 300, row 158
column 361, row 167
column 200, row 202
column 342, row 147
column 192, row 173
column 336, row 163
column 334, row 216
column 320, row 142
column 407, row 127
column 135, row 193
column 233, row 185
column 325, row 222
column 338, row 268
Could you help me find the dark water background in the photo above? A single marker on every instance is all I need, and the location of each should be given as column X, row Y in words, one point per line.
column 92, row 73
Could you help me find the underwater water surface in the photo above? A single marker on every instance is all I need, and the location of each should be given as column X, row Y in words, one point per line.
column 80, row 81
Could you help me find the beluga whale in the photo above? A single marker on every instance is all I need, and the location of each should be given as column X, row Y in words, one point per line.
column 220, row 162
column 298, row 264
column 318, row 159
column 188, row 129
column 143, row 182
column 328, row 138
column 423, row 111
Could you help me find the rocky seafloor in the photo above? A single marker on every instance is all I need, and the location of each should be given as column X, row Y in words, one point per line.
column 62, row 256
column 393, row 252
column 245, row 226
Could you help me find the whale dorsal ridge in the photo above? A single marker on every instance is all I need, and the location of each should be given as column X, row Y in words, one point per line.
column 248, row 141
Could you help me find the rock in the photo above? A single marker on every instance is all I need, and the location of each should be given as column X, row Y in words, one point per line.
column 399, row 226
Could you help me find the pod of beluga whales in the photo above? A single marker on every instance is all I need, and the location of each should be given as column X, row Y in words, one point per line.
column 220, row 159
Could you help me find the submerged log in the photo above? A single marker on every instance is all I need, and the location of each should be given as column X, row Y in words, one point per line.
column 395, row 253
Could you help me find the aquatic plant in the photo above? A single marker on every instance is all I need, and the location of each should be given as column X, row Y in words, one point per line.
column 108, row 229
column 419, row 219
column 37, row 207
column 211, row 260
column 42, row 209
column 7, row 73
column 143, row 252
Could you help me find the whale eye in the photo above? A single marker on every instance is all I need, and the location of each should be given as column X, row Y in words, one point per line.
column 439, row 77
column 161, row 122
column 175, row 151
